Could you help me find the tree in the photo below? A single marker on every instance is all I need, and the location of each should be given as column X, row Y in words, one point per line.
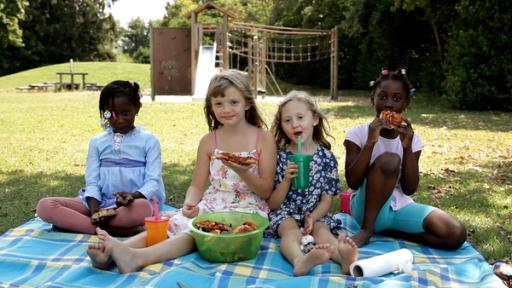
column 11, row 12
column 478, row 64
column 136, row 38
column 58, row 30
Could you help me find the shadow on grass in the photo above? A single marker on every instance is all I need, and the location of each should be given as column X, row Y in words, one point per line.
column 431, row 113
column 177, row 178
column 471, row 196
column 21, row 190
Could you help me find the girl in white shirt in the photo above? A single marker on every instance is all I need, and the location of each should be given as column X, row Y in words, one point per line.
column 381, row 167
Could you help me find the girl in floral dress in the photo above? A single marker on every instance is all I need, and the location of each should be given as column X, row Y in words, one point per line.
column 298, row 212
column 235, row 126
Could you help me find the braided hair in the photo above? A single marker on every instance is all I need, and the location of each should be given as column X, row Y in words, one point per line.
column 119, row 88
column 398, row 75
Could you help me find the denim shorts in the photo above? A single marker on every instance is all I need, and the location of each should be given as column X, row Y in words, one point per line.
column 408, row 219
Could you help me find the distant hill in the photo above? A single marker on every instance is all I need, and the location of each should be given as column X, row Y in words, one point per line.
column 99, row 72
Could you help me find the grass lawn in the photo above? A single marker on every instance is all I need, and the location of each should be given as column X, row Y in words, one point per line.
column 99, row 72
column 465, row 166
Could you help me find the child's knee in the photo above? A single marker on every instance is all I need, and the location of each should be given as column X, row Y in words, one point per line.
column 458, row 237
column 44, row 207
column 388, row 163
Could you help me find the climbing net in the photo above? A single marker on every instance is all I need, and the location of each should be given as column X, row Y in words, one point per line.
column 278, row 44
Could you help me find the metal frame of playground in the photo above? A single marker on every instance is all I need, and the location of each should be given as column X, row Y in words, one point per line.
column 257, row 45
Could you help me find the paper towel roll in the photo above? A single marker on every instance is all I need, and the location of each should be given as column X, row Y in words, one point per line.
column 396, row 261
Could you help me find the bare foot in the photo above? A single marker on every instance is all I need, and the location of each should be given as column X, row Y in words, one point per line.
column 320, row 254
column 362, row 237
column 125, row 257
column 100, row 255
column 347, row 250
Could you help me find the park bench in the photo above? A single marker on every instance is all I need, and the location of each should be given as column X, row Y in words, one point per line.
column 24, row 88
column 40, row 87
column 93, row 86
column 69, row 86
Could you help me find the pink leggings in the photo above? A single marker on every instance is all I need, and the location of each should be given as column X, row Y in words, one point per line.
column 72, row 214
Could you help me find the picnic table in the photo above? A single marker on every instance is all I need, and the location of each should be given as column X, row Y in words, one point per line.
column 72, row 83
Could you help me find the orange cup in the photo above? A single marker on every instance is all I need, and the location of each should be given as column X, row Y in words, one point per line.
column 156, row 230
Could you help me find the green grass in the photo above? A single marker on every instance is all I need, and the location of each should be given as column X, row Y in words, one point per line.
column 99, row 72
column 465, row 166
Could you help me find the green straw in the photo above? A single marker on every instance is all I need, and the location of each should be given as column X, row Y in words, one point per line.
column 299, row 144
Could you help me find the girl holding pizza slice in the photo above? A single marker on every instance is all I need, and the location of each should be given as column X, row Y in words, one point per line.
column 235, row 127
column 381, row 167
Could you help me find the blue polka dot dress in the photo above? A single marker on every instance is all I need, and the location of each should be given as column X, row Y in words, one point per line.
column 323, row 179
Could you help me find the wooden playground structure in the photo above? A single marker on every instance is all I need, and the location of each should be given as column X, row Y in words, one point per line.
column 178, row 54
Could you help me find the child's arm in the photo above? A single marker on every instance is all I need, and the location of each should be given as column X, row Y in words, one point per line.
column 263, row 183
column 279, row 194
column 358, row 158
column 200, row 177
column 152, row 171
column 92, row 178
column 410, row 170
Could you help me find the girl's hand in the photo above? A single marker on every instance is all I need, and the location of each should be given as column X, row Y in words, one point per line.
column 291, row 171
column 189, row 210
column 123, row 199
column 374, row 130
column 406, row 133
column 308, row 224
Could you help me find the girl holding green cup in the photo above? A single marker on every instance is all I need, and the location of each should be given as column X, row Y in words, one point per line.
column 305, row 183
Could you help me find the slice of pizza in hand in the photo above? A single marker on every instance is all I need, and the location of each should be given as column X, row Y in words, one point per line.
column 103, row 214
column 394, row 119
column 240, row 160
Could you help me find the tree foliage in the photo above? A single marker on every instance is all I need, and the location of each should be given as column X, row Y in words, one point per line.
column 58, row 30
column 11, row 12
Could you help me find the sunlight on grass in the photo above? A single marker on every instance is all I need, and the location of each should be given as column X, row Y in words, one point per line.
column 465, row 166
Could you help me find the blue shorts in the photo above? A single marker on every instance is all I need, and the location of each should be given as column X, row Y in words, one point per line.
column 408, row 219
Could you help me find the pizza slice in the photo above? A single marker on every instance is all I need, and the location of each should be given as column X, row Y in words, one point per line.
column 240, row 160
column 103, row 214
column 394, row 119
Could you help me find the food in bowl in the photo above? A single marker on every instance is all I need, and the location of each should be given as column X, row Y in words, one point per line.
column 229, row 247
column 218, row 228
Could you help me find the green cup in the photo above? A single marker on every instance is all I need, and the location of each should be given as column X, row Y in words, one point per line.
column 301, row 181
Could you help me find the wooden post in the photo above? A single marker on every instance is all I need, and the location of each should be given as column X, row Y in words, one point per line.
column 193, row 48
column 334, row 63
column 152, row 61
column 256, row 67
column 225, row 56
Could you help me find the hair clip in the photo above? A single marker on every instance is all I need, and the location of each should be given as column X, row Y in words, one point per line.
column 107, row 114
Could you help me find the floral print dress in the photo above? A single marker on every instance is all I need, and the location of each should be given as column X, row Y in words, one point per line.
column 323, row 179
column 227, row 192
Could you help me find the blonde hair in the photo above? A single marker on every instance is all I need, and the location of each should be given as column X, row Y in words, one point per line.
column 320, row 131
column 219, row 84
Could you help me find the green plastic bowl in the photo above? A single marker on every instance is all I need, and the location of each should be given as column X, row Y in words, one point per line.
column 229, row 247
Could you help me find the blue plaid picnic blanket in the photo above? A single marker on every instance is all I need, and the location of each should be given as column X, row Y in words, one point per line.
column 36, row 255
